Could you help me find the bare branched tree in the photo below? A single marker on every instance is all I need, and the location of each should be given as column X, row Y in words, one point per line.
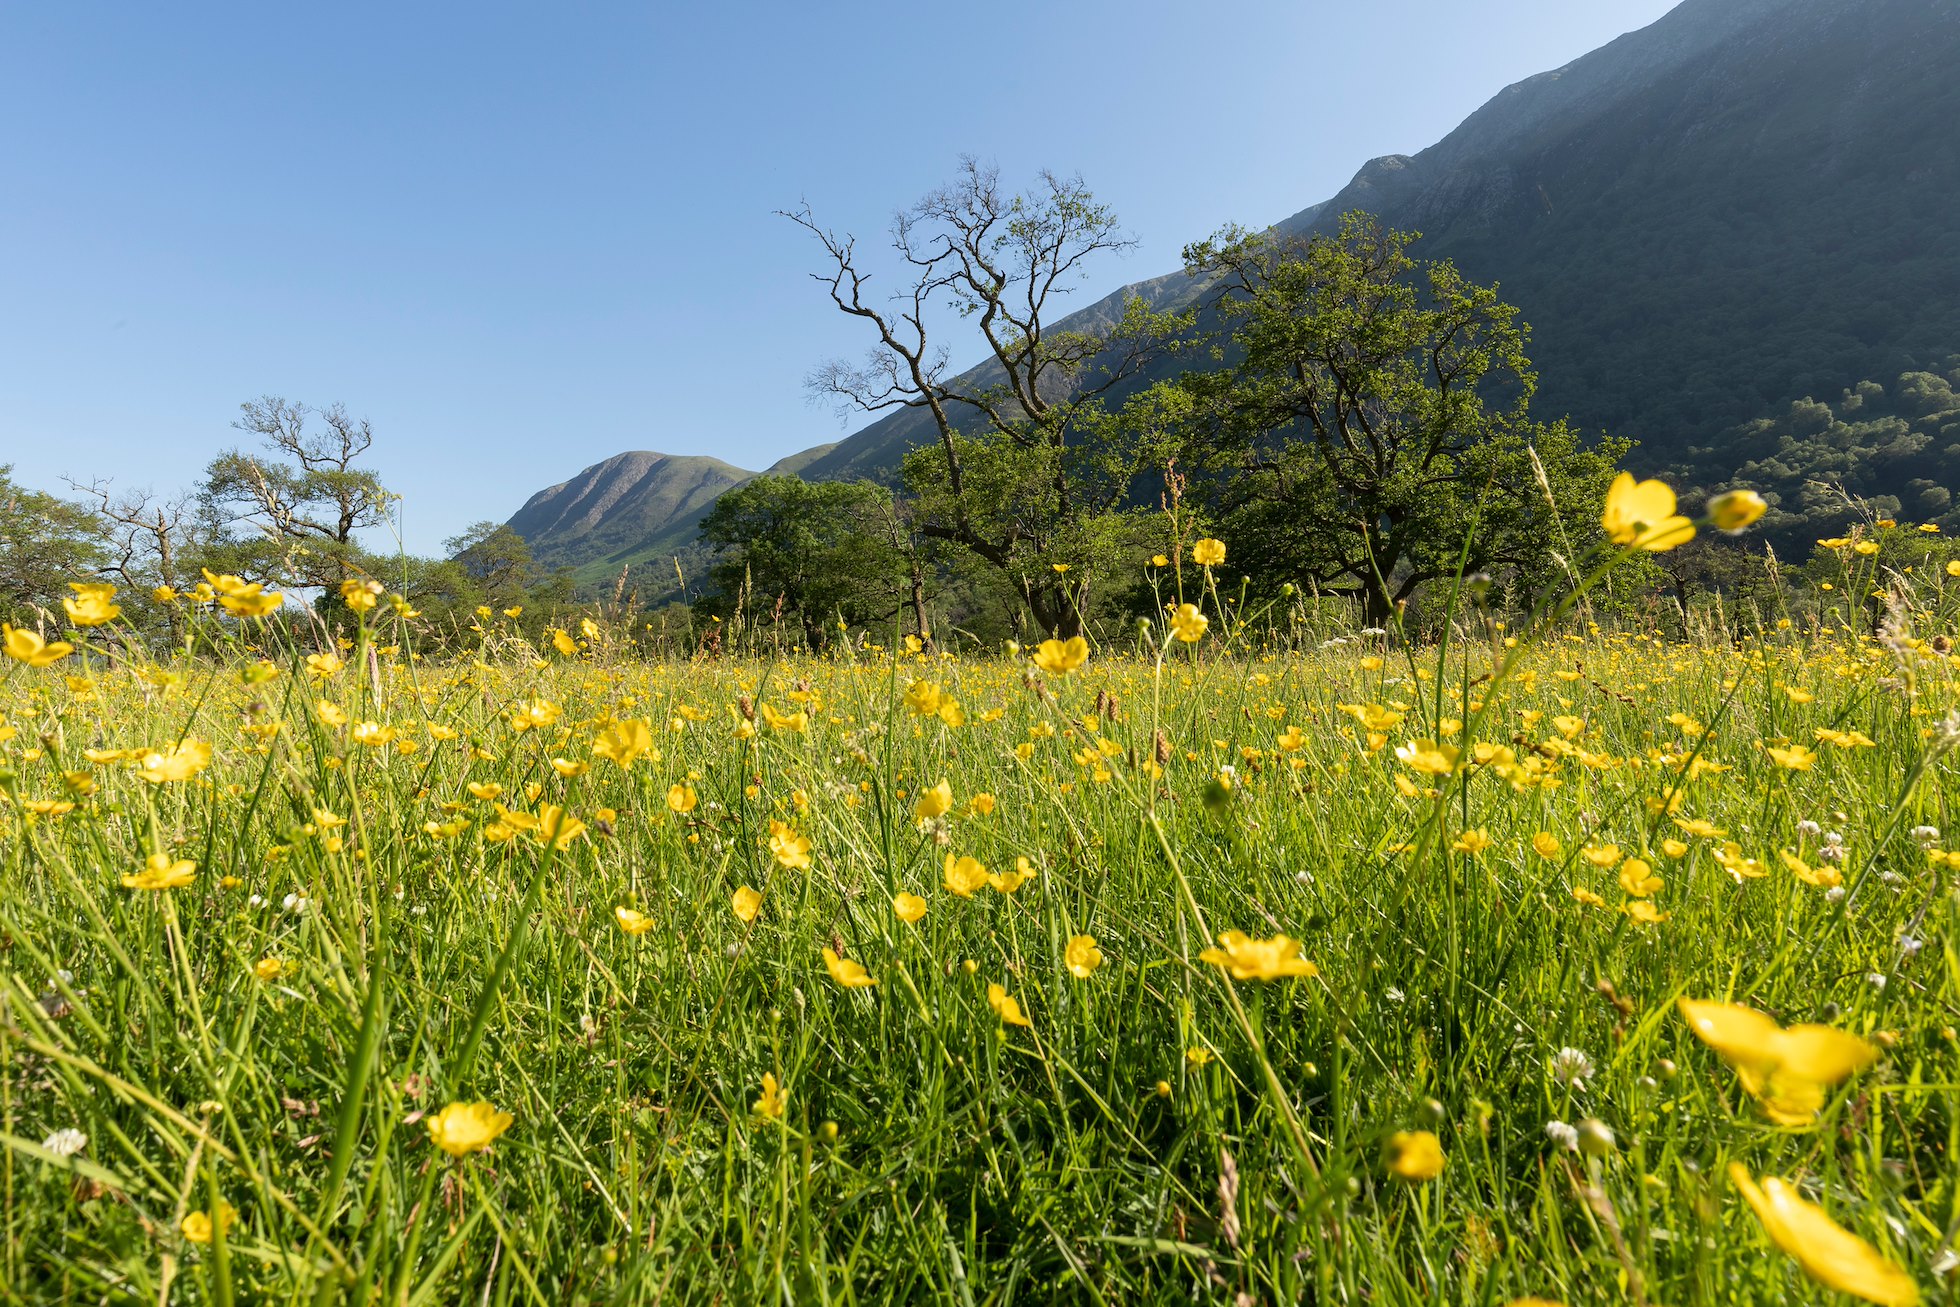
column 309, row 497
column 1028, row 453
column 146, row 537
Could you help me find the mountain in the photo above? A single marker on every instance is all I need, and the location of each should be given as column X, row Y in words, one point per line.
column 1743, row 204
column 638, row 507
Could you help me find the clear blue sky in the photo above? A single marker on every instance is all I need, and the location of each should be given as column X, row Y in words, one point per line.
column 523, row 237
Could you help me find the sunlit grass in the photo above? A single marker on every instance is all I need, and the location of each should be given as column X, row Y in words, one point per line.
column 567, row 884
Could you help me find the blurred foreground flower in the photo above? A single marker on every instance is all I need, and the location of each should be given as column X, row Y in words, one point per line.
column 1414, row 1155
column 1246, row 958
column 464, row 1128
column 1787, row 1071
column 1828, row 1253
column 1641, row 515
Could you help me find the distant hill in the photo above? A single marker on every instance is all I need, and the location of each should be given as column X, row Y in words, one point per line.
column 634, row 508
column 1743, row 204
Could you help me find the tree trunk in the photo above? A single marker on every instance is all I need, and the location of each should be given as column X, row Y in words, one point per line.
column 919, row 603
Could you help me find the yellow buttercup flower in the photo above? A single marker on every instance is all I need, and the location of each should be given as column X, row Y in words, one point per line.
column 1428, row 757
column 360, row 594
column 268, row 969
column 632, row 920
column 1823, row 875
column 1637, row 878
column 934, row 802
column 1188, row 624
column 1005, row 1006
column 1208, row 553
column 1007, row 882
column 773, row 1100
column 161, row 871
column 252, row 601
column 1795, row 758
column 790, row 849
column 1082, row 957
column 464, row 1128
column 1737, row 509
column 746, row 903
column 1060, row 657
column 623, row 743
column 93, row 603
column 1414, row 1155
column 557, row 827
column 1787, row 1071
column 199, row 1227
column 849, row 974
column 29, row 648
column 189, row 757
column 1246, row 958
column 569, row 769
column 1545, row 844
column 1827, row 1252
column 681, row 797
column 1641, row 515
column 964, row 875
column 908, row 908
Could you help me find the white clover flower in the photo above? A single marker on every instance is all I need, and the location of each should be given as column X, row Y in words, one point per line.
column 65, row 1143
column 1876, row 979
column 1570, row 1066
column 1832, row 853
column 1809, row 829
column 1910, row 945
column 1562, row 1136
column 1927, row 836
column 1834, row 894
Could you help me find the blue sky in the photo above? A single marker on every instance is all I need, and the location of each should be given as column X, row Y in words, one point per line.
column 523, row 237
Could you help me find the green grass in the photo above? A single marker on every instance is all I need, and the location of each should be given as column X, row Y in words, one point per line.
column 927, row 1151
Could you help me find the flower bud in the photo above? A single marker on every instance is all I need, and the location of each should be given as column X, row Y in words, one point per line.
column 1735, row 510
column 1596, row 1137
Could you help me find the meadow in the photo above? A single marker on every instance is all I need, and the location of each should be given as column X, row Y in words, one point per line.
column 1553, row 961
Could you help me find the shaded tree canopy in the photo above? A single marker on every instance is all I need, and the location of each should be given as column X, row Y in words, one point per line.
column 1370, row 419
column 808, row 552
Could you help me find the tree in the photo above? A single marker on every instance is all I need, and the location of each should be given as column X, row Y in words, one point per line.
column 809, row 551
column 149, row 542
column 1372, row 414
column 45, row 542
column 498, row 559
column 310, row 498
column 1037, row 450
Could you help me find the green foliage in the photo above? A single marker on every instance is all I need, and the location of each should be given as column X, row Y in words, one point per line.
column 1032, row 459
column 1370, row 431
column 294, row 510
column 45, row 542
column 1876, row 452
column 811, row 553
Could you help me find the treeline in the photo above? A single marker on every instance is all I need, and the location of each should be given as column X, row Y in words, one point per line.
column 294, row 511
column 1354, row 420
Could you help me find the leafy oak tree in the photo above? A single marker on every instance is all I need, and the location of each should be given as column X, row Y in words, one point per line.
column 811, row 552
column 1038, row 449
column 1371, row 414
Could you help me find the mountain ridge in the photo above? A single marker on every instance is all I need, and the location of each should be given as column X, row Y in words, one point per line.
column 1742, row 203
